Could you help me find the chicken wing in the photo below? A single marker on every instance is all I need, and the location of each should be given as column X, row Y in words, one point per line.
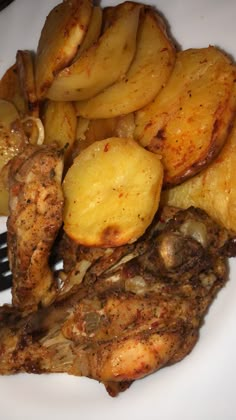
column 35, row 216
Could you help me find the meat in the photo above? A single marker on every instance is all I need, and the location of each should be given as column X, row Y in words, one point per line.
column 36, row 204
column 131, row 312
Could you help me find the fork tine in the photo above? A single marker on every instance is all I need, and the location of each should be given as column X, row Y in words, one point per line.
column 5, row 274
column 3, row 238
column 3, row 253
column 5, row 282
column 4, row 267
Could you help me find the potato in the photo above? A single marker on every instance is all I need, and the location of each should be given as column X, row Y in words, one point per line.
column 60, row 122
column 12, row 140
column 110, row 13
column 93, row 33
column 62, row 33
column 125, row 126
column 25, row 71
column 188, row 121
column 10, row 89
column 12, row 137
column 103, row 63
column 112, row 192
column 213, row 189
column 26, row 76
column 89, row 131
column 149, row 71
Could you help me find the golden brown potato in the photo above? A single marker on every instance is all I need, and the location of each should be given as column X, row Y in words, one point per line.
column 10, row 89
column 103, row 63
column 93, row 32
column 110, row 13
column 149, row 71
column 26, row 76
column 213, row 189
column 25, row 72
column 125, row 126
column 12, row 140
column 89, row 131
column 60, row 122
column 188, row 121
column 18, row 87
column 62, row 33
column 12, row 137
column 112, row 192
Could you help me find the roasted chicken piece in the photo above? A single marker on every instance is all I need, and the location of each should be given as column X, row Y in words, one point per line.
column 132, row 313
column 35, row 216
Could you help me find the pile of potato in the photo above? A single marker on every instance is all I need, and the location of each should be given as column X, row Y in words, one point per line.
column 139, row 121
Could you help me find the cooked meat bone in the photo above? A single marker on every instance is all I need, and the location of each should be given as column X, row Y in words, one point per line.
column 134, row 317
column 36, row 203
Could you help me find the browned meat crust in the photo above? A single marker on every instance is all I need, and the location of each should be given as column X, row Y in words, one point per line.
column 36, row 204
column 142, row 312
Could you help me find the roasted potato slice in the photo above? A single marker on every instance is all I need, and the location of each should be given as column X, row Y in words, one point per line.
column 25, row 71
column 12, row 137
column 62, row 33
column 60, row 122
column 93, row 33
column 188, row 121
column 112, row 192
column 26, row 76
column 213, row 189
column 103, row 63
column 12, row 140
column 111, row 13
column 10, row 89
column 149, row 71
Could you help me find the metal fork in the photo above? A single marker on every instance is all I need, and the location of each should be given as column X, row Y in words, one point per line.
column 5, row 273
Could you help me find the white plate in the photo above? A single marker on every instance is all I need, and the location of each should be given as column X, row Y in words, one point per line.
column 203, row 385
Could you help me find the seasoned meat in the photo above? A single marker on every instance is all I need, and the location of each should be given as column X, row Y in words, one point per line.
column 142, row 312
column 36, row 204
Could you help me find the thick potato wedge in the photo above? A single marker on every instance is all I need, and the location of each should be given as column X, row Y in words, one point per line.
column 112, row 192
column 60, row 122
column 188, row 121
column 12, row 137
column 10, row 89
column 18, row 87
column 149, row 71
column 213, row 189
column 25, row 71
column 26, row 76
column 62, row 33
column 93, row 32
column 103, row 63
column 12, row 140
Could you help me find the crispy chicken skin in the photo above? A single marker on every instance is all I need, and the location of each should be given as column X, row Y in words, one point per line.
column 140, row 311
column 35, row 216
